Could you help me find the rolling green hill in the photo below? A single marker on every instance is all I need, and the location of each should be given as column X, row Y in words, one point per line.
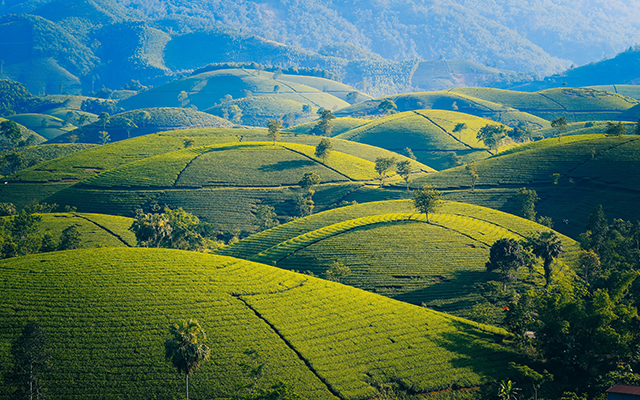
column 40, row 181
column 632, row 91
column 208, row 89
column 145, row 121
column 338, row 126
column 323, row 339
column 96, row 230
column 391, row 250
column 33, row 155
column 428, row 133
column 44, row 125
column 446, row 100
column 223, row 184
column 571, row 179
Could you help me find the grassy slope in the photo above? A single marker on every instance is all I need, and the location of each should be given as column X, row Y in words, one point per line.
column 160, row 119
column 592, row 170
column 394, row 252
column 632, row 91
column 428, row 133
column 96, row 230
column 322, row 338
column 221, row 183
column 207, row 89
column 445, row 100
column 339, row 125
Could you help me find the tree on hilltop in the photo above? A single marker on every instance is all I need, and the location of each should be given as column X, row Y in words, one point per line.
column 560, row 124
column 404, row 169
column 324, row 125
column 183, row 349
column 383, row 166
column 274, row 127
column 426, row 200
column 323, row 149
column 309, row 180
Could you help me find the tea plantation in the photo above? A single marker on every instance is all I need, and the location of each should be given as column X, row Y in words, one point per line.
column 96, row 230
column 393, row 251
column 571, row 179
column 106, row 314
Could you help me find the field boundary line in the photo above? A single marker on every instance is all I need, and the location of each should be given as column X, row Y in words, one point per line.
column 291, row 346
column 104, row 228
column 325, row 165
column 448, row 133
column 173, row 185
column 549, row 98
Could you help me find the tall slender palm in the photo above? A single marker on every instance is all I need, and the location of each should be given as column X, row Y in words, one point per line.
column 183, row 349
column 547, row 246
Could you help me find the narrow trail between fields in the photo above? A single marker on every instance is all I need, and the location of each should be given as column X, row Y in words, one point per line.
column 104, row 228
column 448, row 133
column 291, row 346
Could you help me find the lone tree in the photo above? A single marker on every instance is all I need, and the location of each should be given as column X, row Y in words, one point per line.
column 104, row 137
column 266, row 217
column 547, row 246
column 384, row 165
column 104, row 119
column 309, row 180
column 183, row 349
column 459, row 128
column 636, row 130
column 404, row 169
column 70, row 238
column 128, row 125
column 506, row 256
column 560, row 124
column 337, row 271
column 30, row 358
column 473, row 174
column 324, row 125
column 274, row 127
column 525, row 202
column 426, row 200
column 183, row 97
column 11, row 131
column 491, row 135
column 323, row 149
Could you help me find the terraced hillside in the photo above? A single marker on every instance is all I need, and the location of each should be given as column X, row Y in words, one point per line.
column 391, row 250
column 96, row 230
column 571, row 179
column 221, row 183
column 32, row 155
column 40, row 181
column 106, row 314
column 208, row 89
column 143, row 122
column 575, row 104
column 338, row 126
column 428, row 133
column 632, row 91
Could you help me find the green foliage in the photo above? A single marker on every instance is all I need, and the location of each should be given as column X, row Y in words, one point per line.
column 266, row 217
column 31, row 359
column 274, row 127
column 309, row 180
column 183, row 349
column 323, row 149
column 506, row 256
column 426, row 200
column 404, row 169
column 235, row 301
column 491, row 135
column 337, row 271
column 70, row 238
column 387, row 107
column 325, row 124
column 615, row 129
column 383, row 166
column 547, row 246
column 525, row 202
column 172, row 229
column 11, row 131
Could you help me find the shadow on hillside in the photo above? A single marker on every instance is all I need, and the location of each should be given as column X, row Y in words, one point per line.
column 479, row 352
column 450, row 294
column 284, row 165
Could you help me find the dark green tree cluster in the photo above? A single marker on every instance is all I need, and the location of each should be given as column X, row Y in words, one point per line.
column 20, row 235
column 303, row 201
column 384, row 166
column 491, row 135
column 31, row 358
column 172, row 229
column 583, row 324
column 324, row 125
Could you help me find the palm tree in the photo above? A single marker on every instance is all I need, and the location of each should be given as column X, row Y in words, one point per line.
column 547, row 246
column 183, row 349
